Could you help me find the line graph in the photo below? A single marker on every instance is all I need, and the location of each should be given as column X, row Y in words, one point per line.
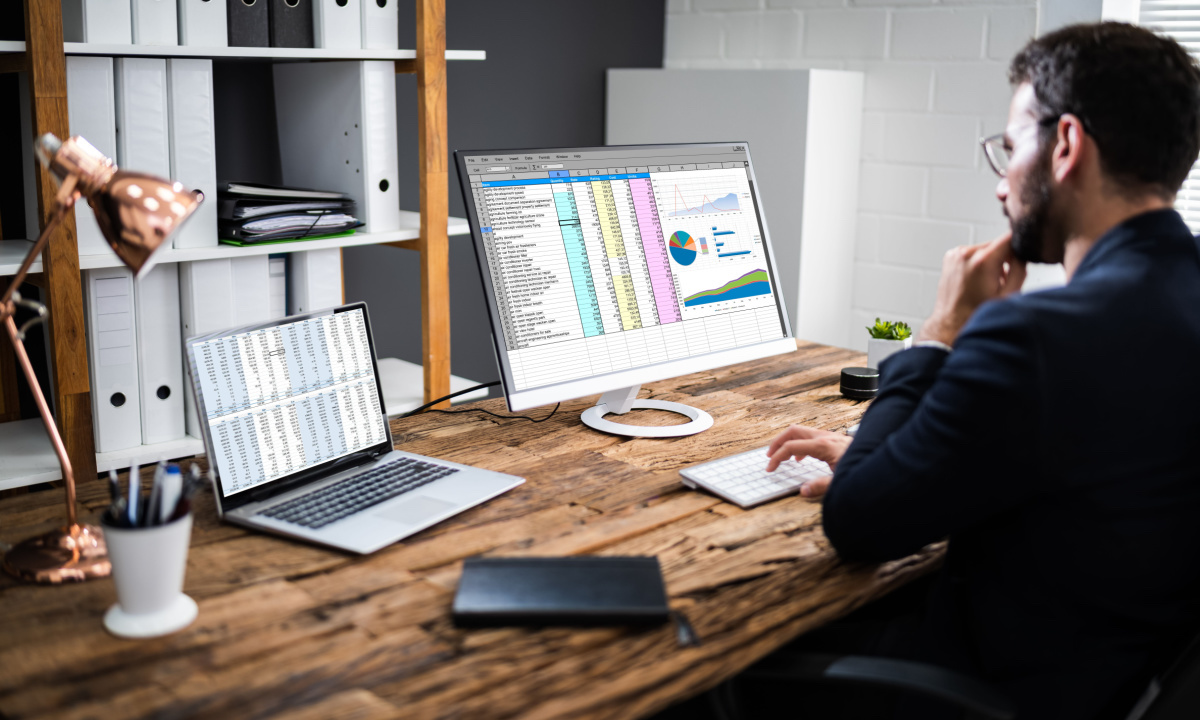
column 724, row 203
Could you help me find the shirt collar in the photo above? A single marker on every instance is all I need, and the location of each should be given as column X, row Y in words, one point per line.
column 1165, row 223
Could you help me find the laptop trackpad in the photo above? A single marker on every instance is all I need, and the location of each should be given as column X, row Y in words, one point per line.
column 417, row 510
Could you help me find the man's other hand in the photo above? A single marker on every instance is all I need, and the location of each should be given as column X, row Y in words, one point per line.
column 800, row 442
column 972, row 275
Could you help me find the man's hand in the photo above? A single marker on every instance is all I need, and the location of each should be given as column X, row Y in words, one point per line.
column 972, row 275
column 801, row 442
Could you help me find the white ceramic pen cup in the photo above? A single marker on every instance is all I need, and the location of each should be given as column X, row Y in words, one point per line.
column 148, row 565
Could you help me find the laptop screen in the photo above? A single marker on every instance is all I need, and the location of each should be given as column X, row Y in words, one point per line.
column 287, row 397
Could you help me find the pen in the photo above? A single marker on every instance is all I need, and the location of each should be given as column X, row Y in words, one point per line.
column 185, row 498
column 172, row 490
column 150, row 514
column 114, row 486
column 135, row 491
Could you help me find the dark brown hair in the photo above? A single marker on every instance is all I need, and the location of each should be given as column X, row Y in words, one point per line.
column 1136, row 93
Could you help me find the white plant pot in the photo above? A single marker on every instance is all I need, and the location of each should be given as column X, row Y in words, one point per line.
column 879, row 350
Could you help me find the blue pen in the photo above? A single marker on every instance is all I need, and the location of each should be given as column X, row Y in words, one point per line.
column 172, row 490
column 135, row 492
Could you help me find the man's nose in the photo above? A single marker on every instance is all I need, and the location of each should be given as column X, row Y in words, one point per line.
column 1002, row 189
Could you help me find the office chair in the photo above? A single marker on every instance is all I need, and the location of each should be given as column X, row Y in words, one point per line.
column 1172, row 695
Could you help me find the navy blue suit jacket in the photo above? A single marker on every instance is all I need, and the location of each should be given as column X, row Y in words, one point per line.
column 1056, row 447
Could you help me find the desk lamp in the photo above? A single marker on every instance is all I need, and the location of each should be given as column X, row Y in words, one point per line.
column 137, row 215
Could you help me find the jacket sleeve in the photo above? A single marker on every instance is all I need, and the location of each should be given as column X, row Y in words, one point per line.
column 942, row 446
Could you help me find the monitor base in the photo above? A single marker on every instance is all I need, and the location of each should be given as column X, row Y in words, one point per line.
column 622, row 401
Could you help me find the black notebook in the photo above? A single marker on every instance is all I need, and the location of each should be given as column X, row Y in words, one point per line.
column 247, row 23
column 291, row 23
column 560, row 591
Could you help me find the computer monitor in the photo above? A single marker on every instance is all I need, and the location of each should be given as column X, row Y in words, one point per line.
column 608, row 267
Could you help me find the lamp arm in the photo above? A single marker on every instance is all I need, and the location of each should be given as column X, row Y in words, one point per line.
column 63, row 202
column 47, row 419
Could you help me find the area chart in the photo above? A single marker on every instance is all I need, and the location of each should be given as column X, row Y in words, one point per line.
column 752, row 283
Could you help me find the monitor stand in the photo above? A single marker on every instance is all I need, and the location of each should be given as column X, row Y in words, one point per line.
column 623, row 400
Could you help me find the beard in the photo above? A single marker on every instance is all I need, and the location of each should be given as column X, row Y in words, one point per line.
column 1035, row 236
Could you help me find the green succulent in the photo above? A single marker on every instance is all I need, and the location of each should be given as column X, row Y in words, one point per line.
column 890, row 330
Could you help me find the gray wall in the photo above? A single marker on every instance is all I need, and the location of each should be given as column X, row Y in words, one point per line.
column 541, row 85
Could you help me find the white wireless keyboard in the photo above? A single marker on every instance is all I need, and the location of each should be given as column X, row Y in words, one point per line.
column 743, row 479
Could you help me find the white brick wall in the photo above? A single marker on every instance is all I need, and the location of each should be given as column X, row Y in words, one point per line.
column 935, row 83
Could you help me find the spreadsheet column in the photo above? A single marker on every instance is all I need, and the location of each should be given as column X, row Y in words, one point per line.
column 618, row 261
column 581, row 271
column 655, row 247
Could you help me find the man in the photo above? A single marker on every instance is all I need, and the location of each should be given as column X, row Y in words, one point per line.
column 1050, row 435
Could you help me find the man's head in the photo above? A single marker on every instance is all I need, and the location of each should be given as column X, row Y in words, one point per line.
column 1100, row 111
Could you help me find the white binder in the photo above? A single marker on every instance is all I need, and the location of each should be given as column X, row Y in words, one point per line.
column 193, row 144
column 346, row 142
column 217, row 295
column 90, row 113
column 315, row 280
column 108, row 22
column 142, row 145
column 381, row 24
column 202, row 23
column 155, row 22
column 159, row 354
column 277, row 268
column 338, row 24
column 112, row 358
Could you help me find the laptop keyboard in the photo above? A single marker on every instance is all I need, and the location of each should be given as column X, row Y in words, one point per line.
column 342, row 499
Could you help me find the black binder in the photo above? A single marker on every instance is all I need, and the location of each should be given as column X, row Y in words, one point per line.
column 291, row 23
column 247, row 23
column 560, row 591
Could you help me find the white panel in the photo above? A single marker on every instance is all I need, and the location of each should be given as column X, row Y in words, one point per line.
column 345, row 143
column 141, row 85
column 1122, row 10
column 160, row 354
column 314, row 280
column 381, row 163
column 338, row 24
column 202, row 23
column 277, row 267
column 155, row 22
column 91, row 113
column 251, row 290
column 831, row 207
column 380, row 24
column 193, row 145
column 98, row 21
column 116, row 412
column 206, row 300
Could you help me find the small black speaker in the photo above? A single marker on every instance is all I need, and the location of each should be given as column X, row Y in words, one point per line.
column 860, row 383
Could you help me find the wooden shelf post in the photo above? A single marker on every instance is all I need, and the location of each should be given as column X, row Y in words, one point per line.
column 433, row 243
column 47, row 67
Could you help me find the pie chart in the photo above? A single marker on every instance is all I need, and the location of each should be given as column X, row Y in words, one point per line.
column 683, row 248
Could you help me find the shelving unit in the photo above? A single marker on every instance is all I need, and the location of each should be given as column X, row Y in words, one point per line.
column 43, row 57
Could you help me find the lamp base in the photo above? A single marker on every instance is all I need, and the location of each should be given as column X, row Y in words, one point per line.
column 67, row 554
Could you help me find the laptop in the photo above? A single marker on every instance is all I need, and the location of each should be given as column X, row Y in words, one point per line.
column 298, row 440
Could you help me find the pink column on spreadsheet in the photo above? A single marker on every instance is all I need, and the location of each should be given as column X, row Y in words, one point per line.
column 655, row 246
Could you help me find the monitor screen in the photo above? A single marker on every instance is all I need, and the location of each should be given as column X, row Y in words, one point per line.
column 607, row 267
column 284, row 398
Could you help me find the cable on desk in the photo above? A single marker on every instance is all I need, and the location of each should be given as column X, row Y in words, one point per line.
column 426, row 406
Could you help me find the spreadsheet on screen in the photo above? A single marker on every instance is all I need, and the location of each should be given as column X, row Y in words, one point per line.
column 285, row 398
column 606, row 260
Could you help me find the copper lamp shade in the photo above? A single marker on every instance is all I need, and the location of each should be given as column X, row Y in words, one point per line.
column 138, row 214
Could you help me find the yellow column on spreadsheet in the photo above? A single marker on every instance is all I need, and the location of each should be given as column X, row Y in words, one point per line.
column 614, row 247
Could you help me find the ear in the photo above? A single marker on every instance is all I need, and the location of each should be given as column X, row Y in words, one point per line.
column 1069, row 148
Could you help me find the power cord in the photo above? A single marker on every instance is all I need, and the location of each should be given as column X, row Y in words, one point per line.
column 426, row 406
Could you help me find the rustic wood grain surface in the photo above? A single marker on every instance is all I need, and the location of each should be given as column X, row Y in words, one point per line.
column 296, row 631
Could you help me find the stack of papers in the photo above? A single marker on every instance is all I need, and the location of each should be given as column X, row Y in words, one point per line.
column 252, row 213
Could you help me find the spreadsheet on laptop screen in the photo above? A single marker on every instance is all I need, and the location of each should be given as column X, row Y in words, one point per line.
column 609, row 259
column 285, row 398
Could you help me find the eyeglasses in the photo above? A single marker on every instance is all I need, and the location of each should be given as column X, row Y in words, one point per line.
column 998, row 154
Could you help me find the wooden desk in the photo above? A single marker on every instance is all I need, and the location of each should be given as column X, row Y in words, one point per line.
column 290, row 630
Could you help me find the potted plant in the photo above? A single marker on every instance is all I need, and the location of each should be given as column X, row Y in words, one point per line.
column 887, row 338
